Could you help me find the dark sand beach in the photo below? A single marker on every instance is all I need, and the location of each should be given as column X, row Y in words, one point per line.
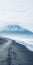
column 13, row 53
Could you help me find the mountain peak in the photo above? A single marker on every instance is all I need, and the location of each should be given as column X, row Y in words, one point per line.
column 13, row 26
column 16, row 29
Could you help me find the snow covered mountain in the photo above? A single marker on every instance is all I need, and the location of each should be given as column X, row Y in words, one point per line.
column 15, row 29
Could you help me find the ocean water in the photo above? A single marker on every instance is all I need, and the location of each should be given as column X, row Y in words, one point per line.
column 26, row 40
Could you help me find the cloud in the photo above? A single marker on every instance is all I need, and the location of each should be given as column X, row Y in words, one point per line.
column 17, row 12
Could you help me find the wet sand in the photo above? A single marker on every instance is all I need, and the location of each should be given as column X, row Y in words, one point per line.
column 13, row 53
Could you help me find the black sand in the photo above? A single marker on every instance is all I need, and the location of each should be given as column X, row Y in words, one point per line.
column 16, row 54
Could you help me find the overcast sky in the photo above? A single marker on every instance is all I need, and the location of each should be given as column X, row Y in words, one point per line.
column 17, row 12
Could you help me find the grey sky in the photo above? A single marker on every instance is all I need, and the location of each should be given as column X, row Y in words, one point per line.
column 16, row 12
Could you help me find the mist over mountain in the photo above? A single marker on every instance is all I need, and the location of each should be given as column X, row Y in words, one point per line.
column 15, row 29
